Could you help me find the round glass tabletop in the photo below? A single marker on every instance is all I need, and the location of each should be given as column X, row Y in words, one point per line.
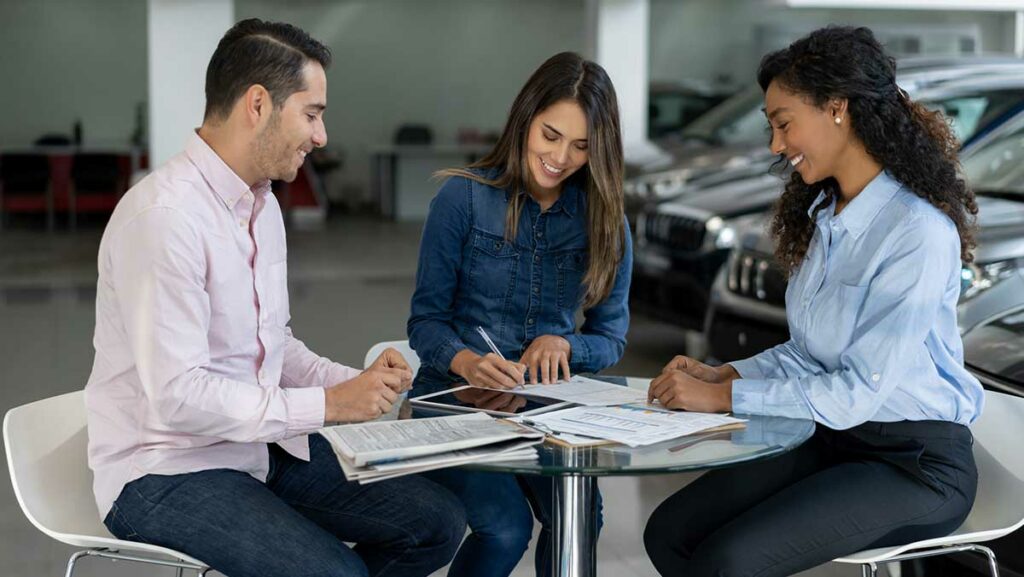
column 760, row 438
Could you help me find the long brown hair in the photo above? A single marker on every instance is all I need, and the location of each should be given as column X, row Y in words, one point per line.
column 914, row 144
column 567, row 76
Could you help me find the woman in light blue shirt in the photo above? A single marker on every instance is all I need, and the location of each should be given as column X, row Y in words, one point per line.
column 873, row 228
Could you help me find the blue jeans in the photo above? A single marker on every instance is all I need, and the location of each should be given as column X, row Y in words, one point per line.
column 498, row 508
column 296, row 523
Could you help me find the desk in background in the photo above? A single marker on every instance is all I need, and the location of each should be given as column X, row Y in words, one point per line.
column 402, row 175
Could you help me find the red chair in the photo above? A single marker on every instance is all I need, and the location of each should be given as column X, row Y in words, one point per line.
column 25, row 186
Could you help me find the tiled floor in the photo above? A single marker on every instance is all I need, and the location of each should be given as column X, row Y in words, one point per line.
column 350, row 287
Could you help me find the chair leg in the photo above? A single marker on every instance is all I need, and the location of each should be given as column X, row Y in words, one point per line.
column 869, row 570
column 180, row 572
column 992, row 565
column 71, row 562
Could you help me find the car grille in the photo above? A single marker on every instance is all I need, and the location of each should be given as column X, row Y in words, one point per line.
column 675, row 232
column 755, row 275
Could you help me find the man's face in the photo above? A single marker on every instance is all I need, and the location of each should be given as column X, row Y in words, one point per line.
column 295, row 129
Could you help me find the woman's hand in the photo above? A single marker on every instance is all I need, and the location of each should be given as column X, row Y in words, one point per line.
column 545, row 356
column 676, row 389
column 699, row 370
column 489, row 371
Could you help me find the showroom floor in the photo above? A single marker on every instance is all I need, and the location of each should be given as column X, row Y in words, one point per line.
column 350, row 285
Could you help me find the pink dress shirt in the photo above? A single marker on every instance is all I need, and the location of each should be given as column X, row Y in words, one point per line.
column 195, row 365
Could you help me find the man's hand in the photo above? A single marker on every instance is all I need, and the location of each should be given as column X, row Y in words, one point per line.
column 392, row 359
column 545, row 356
column 489, row 371
column 367, row 396
column 699, row 370
column 676, row 389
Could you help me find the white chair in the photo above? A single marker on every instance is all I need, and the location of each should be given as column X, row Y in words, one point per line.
column 46, row 444
column 999, row 506
column 401, row 346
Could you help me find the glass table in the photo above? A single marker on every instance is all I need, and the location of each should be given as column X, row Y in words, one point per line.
column 576, row 469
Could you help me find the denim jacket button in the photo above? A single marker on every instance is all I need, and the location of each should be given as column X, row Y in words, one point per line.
column 529, row 321
column 536, row 258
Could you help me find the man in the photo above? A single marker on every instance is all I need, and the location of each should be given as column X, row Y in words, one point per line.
column 200, row 400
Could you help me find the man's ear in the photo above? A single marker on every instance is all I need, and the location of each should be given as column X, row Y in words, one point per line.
column 257, row 105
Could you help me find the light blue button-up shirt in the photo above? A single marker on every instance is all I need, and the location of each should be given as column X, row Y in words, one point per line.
column 872, row 315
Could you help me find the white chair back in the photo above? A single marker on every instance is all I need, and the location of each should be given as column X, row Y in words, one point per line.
column 401, row 346
column 47, row 455
column 46, row 444
column 999, row 506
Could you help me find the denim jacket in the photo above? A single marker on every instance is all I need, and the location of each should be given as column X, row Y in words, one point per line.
column 470, row 276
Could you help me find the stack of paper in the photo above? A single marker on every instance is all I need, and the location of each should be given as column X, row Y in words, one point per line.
column 385, row 449
column 632, row 425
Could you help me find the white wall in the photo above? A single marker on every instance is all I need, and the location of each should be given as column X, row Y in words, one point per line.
column 447, row 63
column 67, row 59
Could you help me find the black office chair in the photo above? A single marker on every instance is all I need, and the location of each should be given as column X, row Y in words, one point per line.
column 25, row 185
column 97, row 182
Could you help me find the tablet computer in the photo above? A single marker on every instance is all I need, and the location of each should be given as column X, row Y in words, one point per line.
column 468, row 399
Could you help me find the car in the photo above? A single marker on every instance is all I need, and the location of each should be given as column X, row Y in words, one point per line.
column 674, row 105
column 681, row 244
column 730, row 137
column 746, row 311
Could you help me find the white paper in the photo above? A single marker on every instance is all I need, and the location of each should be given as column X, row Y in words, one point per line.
column 630, row 425
column 583, row 391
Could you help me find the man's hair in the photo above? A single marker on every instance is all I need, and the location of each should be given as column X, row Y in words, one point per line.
column 271, row 54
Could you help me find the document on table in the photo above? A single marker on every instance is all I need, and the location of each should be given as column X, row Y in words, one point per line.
column 583, row 391
column 381, row 441
column 632, row 425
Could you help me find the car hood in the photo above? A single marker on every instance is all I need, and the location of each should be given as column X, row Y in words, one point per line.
column 698, row 157
column 1000, row 229
column 996, row 346
column 732, row 199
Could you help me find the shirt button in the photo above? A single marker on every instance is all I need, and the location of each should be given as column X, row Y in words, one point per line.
column 536, row 258
column 875, row 377
column 536, row 289
column 241, row 223
column 540, row 235
column 529, row 321
column 262, row 374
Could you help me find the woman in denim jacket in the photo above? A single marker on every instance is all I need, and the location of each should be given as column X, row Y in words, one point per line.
column 519, row 243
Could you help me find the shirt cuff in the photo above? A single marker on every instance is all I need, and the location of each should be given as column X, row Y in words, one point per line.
column 306, row 410
column 748, row 368
column 443, row 359
column 339, row 373
column 747, row 395
column 579, row 360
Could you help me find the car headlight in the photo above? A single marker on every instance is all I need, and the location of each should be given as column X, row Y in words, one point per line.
column 722, row 233
column 976, row 279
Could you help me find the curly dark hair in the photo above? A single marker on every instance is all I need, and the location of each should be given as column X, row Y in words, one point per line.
column 914, row 144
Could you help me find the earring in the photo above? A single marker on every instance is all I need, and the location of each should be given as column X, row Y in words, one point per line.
column 839, row 120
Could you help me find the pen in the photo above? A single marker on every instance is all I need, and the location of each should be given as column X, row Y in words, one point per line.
column 493, row 347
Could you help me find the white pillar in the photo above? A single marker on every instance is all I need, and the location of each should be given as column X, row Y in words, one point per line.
column 617, row 38
column 182, row 36
column 1018, row 33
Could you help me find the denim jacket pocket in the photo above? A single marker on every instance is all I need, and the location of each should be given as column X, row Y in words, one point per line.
column 493, row 266
column 572, row 266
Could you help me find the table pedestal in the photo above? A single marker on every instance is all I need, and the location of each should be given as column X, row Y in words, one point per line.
column 574, row 542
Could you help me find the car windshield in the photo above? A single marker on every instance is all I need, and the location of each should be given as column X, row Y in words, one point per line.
column 996, row 167
column 972, row 112
column 736, row 120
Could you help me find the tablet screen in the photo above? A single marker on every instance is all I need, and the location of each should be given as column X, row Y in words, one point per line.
column 496, row 402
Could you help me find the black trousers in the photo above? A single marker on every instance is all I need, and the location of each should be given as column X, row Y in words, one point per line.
column 876, row 485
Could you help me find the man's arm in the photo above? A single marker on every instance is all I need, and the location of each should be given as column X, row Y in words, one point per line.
column 159, row 276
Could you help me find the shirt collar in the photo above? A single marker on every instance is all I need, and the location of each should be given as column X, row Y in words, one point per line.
column 568, row 201
column 224, row 181
column 862, row 210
